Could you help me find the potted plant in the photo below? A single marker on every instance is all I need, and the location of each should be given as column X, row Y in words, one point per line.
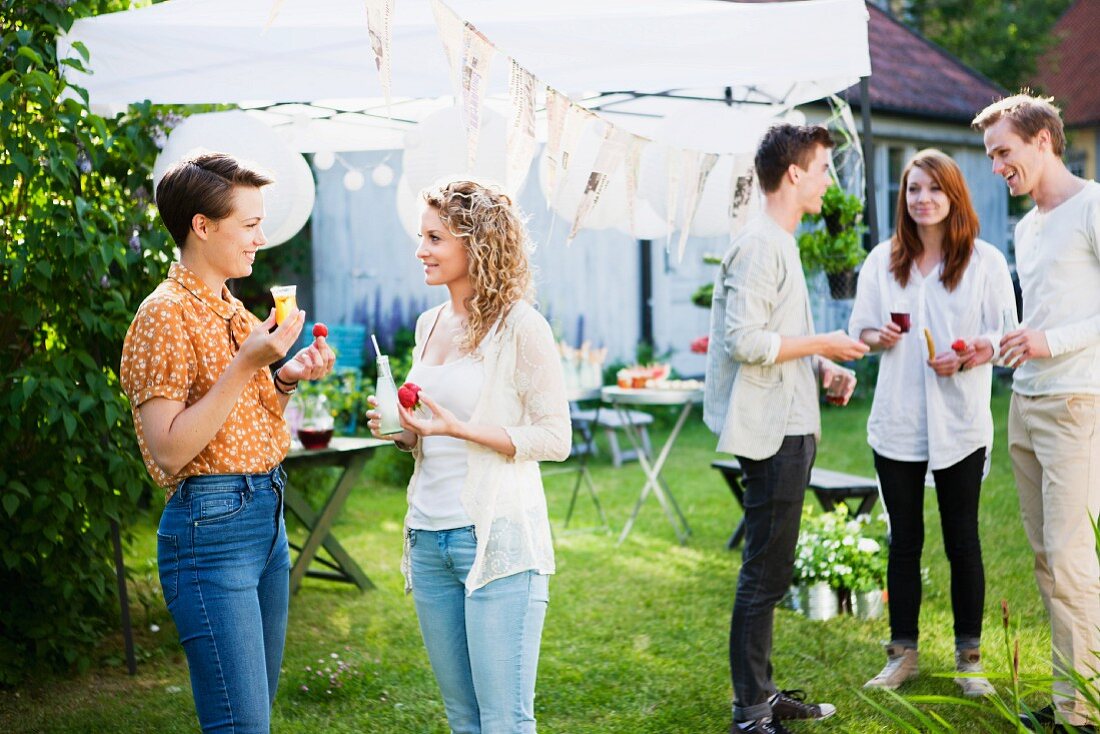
column 840, row 564
column 833, row 241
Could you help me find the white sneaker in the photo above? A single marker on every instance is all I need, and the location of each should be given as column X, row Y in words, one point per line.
column 901, row 665
column 970, row 661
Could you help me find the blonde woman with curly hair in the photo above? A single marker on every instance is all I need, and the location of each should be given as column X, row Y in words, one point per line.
column 478, row 551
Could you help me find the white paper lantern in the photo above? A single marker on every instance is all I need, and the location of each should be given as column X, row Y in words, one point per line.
column 382, row 175
column 712, row 217
column 353, row 180
column 288, row 202
column 324, row 160
column 436, row 148
column 408, row 208
column 611, row 209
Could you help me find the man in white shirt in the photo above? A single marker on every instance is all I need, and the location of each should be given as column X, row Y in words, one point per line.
column 763, row 361
column 1052, row 425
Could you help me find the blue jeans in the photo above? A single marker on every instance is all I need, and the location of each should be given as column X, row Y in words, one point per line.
column 484, row 648
column 225, row 571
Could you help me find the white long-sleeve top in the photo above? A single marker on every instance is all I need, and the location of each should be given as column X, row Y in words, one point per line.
column 523, row 391
column 916, row 414
column 1058, row 260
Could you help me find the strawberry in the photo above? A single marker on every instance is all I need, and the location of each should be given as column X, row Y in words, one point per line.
column 320, row 330
column 959, row 345
column 409, row 395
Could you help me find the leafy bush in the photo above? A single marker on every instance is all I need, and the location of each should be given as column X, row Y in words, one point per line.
column 81, row 250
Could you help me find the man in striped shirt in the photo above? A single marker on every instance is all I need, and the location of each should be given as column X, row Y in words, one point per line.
column 763, row 363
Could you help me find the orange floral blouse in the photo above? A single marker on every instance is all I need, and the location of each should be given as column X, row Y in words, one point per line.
column 181, row 340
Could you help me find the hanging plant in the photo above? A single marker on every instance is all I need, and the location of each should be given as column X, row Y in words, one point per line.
column 833, row 242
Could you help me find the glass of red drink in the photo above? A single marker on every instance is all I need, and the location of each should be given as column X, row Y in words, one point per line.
column 901, row 318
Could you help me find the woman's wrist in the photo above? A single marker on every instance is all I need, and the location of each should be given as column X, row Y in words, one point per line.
column 283, row 385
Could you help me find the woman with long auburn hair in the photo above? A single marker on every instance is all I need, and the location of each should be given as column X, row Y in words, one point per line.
column 478, row 550
column 932, row 299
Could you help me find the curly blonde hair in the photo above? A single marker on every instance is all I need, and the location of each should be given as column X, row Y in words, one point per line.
column 497, row 245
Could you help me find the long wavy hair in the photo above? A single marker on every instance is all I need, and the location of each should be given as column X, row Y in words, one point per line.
column 961, row 225
column 497, row 245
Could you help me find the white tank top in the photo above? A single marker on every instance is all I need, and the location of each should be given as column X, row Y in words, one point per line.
column 456, row 386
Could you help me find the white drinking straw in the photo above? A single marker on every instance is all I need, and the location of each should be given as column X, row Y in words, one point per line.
column 377, row 351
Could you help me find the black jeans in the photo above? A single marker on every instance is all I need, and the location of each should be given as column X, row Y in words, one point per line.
column 958, row 488
column 774, row 490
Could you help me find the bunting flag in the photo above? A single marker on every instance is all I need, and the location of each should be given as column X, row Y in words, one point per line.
column 612, row 152
column 632, row 164
column 521, row 131
column 576, row 117
column 675, row 164
column 742, row 191
column 701, row 164
column 451, row 29
column 380, row 31
column 557, row 105
column 276, row 6
column 477, row 54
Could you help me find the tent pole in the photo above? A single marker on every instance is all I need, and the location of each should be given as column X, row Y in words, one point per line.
column 871, row 205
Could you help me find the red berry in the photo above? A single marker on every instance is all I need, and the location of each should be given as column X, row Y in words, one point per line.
column 320, row 329
column 408, row 395
column 959, row 345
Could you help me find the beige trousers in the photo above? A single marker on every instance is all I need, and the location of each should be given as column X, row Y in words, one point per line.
column 1055, row 448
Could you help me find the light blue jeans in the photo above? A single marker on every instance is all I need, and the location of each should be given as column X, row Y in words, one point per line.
column 484, row 648
column 225, row 571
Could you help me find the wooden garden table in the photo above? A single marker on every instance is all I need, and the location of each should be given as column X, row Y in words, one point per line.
column 350, row 454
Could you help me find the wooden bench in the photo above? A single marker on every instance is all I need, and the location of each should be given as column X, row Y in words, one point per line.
column 608, row 419
column 831, row 488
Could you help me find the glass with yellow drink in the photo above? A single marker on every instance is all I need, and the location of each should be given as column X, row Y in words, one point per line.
column 285, row 301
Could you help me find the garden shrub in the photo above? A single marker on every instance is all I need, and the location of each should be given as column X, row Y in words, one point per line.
column 81, row 250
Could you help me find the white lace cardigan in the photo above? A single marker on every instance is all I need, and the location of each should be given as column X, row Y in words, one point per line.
column 524, row 391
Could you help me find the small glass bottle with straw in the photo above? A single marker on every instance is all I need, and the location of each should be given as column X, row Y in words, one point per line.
column 1009, row 323
column 386, row 391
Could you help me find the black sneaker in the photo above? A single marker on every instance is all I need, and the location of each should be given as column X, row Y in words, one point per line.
column 759, row 726
column 791, row 706
column 1045, row 717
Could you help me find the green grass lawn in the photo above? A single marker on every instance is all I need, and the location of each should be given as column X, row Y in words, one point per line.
column 636, row 636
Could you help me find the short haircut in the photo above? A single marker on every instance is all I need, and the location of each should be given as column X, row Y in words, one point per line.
column 202, row 184
column 1028, row 115
column 784, row 145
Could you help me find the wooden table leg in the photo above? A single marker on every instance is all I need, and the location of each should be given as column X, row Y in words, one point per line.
column 319, row 525
column 738, row 494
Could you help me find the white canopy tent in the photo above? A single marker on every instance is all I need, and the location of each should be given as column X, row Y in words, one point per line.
column 313, row 74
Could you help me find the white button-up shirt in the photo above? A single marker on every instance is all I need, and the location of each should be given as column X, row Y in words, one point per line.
column 918, row 415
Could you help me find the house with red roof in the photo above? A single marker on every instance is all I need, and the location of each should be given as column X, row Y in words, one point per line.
column 1070, row 72
column 921, row 96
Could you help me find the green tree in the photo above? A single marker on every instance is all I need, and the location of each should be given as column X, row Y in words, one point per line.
column 80, row 250
column 1003, row 39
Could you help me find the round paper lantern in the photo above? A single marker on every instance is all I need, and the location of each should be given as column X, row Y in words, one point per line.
column 436, row 149
column 353, row 180
column 611, row 209
column 288, row 202
column 408, row 208
column 715, row 128
column 712, row 218
column 324, row 160
column 382, row 175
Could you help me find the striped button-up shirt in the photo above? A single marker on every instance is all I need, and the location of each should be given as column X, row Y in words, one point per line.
column 759, row 296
